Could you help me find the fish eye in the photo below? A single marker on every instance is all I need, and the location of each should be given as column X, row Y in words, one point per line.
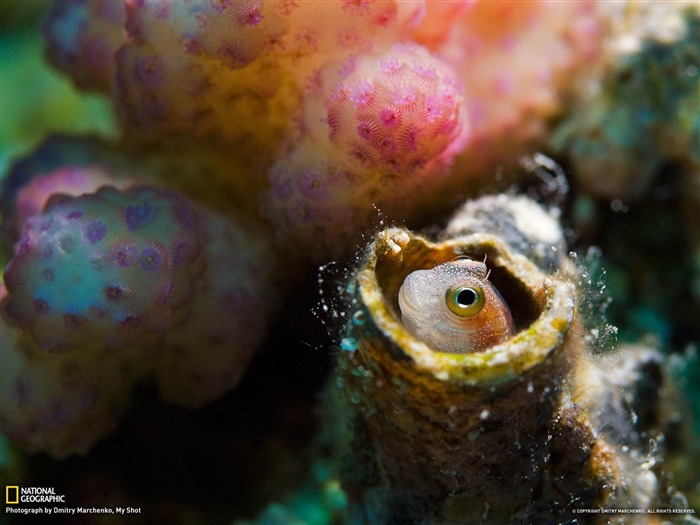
column 466, row 297
column 465, row 301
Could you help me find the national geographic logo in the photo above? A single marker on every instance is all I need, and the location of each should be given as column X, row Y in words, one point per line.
column 11, row 494
column 15, row 494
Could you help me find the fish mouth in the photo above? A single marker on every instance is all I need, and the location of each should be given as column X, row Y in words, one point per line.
column 406, row 302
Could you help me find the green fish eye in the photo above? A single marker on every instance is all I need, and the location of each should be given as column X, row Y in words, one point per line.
column 465, row 301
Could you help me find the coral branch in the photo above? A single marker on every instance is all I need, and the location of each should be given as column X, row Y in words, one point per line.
column 143, row 280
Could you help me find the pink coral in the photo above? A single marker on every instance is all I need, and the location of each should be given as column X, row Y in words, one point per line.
column 185, row 68
column 394, row 111
column 380, row 129
column 399, row 98
column 235, row 33
column 32, row 197
column 518, row 58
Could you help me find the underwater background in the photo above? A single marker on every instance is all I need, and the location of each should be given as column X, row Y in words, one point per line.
column 259, row 453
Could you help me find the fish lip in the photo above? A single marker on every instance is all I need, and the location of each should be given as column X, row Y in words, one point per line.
column 406, row 304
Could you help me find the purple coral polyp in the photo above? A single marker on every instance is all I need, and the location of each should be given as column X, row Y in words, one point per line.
column 125, row 256
column 151, row 260
column 250, row 15
column 149, row 70
column 95, row 232
column 41, row 307
column 138, row 216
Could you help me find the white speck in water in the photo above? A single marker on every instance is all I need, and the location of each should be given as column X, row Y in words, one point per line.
column 545, row 392
column 635, row 418
column 530, row 388
column 484, row 415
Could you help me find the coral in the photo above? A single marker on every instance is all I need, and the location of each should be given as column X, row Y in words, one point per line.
column 82, row 39
column 343, row 105
column 109, row 266
column 208, row 352
column 183, row 62
column 235, row 33
column 396, row 111
column 31, row 199
column 519, row 57
column 644, row 113
column 380, row 127
column 61, row 402
column 141, row 279
column 188, row 66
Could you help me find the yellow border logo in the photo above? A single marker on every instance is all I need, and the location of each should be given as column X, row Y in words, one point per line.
column 8, row 499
